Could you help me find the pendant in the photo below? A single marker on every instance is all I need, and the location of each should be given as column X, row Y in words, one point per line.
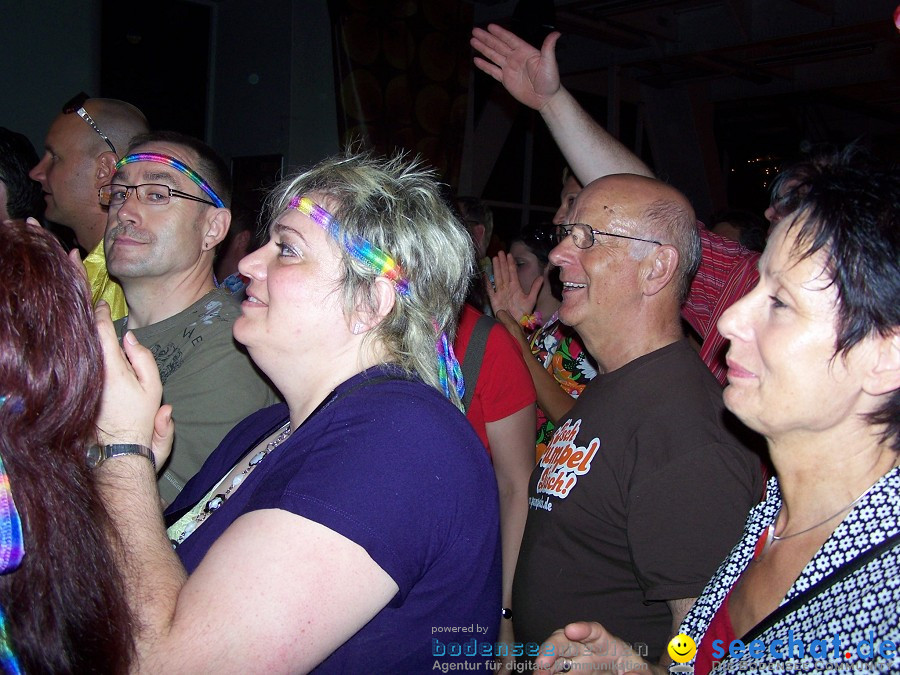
column 214, row 504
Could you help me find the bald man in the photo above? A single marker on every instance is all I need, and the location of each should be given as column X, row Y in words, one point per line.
column 80, row 154
column 642, row 490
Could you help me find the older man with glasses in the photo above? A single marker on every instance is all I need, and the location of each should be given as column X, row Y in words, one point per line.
column 642, row 489
column 167, row 210
column 80, row 155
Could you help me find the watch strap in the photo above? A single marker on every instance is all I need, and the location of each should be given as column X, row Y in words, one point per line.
column 120, row 449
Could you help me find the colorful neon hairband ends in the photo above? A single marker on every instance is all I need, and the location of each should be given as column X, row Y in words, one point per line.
column 449, row 372
column 178, row 166
column 12, row 551
column 361, row 249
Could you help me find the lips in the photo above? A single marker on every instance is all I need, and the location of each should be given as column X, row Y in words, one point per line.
column 253, row 301
column 128, row 241
column 735, row 370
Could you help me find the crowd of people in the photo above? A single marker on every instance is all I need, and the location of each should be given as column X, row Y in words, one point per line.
column 336, row 460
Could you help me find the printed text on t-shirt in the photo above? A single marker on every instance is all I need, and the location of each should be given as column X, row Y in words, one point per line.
column 563, row 461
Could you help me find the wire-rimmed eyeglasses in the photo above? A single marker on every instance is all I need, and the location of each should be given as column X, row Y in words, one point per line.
column 116, row 194
column 583, row 235
column 76, row 105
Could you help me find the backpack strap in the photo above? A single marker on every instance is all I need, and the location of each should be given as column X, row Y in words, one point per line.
column 471, row 364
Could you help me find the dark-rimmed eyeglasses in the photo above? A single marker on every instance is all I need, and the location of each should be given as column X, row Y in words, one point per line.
column 583, row 235
column 542, row 235
column 76, row 105
column 116, row 194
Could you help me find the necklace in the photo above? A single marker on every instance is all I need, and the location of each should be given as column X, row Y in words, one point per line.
column 772, row 537
column 216, row 502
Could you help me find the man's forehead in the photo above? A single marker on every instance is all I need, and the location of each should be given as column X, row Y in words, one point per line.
column 597, row 206
column 155, row 170
column 67, row 131
column 152, row 172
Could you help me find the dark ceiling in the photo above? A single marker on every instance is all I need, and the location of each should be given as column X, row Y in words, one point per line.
column 780, row 76
column 844, row 51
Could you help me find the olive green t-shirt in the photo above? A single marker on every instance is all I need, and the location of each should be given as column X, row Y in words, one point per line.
column 208, row 379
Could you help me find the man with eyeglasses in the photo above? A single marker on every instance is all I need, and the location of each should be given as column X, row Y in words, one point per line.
column 642, row 489
column 80, row 155
column 727, row 270
column 167, row 204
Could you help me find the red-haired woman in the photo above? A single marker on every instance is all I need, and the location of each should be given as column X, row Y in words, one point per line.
column 63, row 599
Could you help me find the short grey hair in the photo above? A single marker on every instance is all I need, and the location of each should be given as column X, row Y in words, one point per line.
column 396, row 205
column 669, row 222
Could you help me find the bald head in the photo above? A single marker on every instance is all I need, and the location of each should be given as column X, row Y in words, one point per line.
column 119, row 120
column 77, row 162
column 645, row 207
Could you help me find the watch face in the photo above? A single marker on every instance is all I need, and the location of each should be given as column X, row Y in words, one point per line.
column 94, row 455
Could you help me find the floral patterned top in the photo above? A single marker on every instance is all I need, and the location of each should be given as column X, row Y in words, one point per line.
column 559, row 349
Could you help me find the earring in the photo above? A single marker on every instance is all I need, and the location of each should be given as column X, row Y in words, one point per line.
column 357, row 328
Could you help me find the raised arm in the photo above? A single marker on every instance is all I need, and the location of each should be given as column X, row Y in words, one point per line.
column 552, row 399
column 532, row 77
column 506, row 293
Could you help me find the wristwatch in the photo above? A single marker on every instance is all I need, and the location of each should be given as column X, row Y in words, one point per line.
column 96, row 454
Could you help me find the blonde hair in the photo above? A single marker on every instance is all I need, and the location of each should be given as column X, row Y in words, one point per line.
column 394, row 204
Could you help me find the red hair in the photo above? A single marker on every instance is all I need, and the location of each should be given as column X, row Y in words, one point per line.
column 65, row 604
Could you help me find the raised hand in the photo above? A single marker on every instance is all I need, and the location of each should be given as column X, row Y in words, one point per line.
column 130, row 407
column 506, row 293
column 531, row 76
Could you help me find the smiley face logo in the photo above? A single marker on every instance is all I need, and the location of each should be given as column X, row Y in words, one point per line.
column 682, row 648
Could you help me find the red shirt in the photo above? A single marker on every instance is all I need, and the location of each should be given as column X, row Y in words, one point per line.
column 727, row 272
column 504, row 384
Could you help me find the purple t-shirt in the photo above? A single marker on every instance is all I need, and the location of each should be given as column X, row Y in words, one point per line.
column 388, row 463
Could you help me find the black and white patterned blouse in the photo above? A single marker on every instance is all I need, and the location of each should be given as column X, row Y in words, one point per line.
column 861, row 609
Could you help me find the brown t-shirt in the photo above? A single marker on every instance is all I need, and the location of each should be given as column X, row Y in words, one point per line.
column 640, row 495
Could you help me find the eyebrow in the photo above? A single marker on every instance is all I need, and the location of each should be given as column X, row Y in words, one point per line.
column 165, row 176
column 153, row 177
column 281, row 228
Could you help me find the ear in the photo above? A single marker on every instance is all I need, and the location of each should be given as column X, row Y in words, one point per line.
column 217, row 223
column 883, row 376
column 658, row 269
column 382, row 300
column 106, row 168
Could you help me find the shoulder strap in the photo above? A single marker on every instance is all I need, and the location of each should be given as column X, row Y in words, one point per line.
column 823, row 585
column 471, row 365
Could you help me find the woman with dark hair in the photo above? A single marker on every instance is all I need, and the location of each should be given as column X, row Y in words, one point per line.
column 813, row 366
column 20, row 197
column 560, row 367
column 63, row 599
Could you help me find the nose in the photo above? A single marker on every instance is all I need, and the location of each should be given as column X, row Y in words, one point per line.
column 126, row 210
column 735, row 322
column 771, row 214
column 39, row 172
column 253, row 265
column 562, row 252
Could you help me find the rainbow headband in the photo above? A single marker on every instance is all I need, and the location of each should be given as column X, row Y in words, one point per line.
column 175, row 164
column 12, row 547
column 12, row 550
column 361, row 249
